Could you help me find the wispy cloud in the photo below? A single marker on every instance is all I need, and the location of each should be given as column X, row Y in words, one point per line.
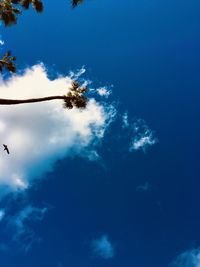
column 40, row 134
column 144, row 187
column 189, row 258
column 103, row 248
column 103, row 91
column 76, row 74
column 125, row 120
column 19, row 225
column 26, row 214
column 143, row 138
column 1, row 39
column 142, row 142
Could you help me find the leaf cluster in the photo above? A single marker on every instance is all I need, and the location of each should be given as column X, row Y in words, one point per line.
column 75, row 3
column 7, row 62
column 75, row 96
column 9, row 9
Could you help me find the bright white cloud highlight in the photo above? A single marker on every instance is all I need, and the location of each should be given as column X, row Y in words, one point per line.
column 2, row 214
column 143, row 141
column 143, row 138
column 1, row 40
column 39, row 134
column 103, row 248
column 190, row 258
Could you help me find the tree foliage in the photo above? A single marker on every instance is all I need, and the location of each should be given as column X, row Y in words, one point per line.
column 9, row 9
column 7, row 62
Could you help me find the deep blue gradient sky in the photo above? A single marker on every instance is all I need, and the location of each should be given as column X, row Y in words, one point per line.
column 150, row 52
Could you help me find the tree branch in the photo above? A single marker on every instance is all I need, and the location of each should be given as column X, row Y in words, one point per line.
column 4, row 101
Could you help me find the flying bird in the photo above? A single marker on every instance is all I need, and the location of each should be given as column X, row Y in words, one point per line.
column 6, row 148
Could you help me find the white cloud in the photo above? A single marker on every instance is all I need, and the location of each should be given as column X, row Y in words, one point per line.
column 2, row 214
column 125, row 122
column 190, row 258
column 103, row 91
column 103, row 248
column 142, row 142
column 39, row 134
column 144, row 137
column 75, row 75
column 1, row 40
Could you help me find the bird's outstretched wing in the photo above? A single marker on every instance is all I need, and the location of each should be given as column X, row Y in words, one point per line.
column 6, row 148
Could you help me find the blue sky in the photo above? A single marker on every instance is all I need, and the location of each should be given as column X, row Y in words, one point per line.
column 116, row 185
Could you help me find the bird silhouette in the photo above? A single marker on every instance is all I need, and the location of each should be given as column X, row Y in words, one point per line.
column 6, row 148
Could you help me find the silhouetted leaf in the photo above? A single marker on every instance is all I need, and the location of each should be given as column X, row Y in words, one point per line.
column 75, row 3
column 7, row 62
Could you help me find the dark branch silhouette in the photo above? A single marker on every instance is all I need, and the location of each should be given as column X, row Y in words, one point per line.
column 74, row 98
